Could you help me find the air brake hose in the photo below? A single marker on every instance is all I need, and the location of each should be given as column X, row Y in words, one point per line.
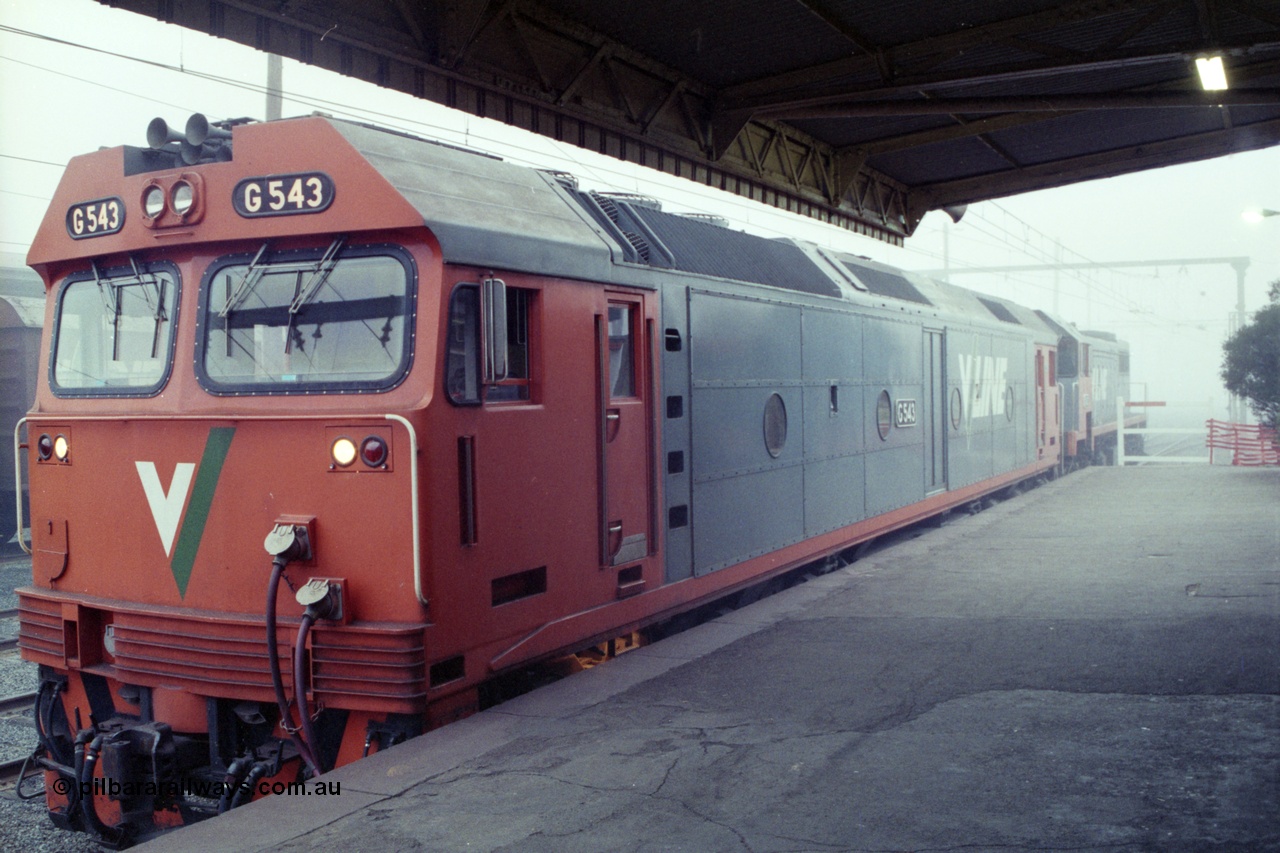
column 299, row 684
column 109, row 835
column 273, row 656
column 245, row 792
column 82, row 740
column 230, row 782
column 46, row 699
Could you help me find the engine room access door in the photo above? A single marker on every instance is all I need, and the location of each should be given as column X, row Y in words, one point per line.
column 935, row 427
column 626, row 478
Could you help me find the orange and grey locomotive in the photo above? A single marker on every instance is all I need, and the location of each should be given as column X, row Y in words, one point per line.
column 470, row 414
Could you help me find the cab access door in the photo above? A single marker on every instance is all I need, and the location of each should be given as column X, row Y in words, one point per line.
column 623, row 335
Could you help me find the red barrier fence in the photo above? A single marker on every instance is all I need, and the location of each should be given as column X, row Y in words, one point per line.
column 1250, row 444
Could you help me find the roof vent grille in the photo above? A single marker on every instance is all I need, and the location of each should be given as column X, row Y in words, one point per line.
column 1001, row 312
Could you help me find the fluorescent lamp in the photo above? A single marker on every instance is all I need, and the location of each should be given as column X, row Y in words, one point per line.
column 1213, row 75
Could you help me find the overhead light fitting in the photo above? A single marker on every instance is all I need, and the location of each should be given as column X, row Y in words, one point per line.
column 1213, row 74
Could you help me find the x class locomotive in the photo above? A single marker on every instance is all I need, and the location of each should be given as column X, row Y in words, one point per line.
column 472, row 416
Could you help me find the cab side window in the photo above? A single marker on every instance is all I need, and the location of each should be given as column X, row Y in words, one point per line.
column 516, row 385
column 471, row 377
column 462, row 362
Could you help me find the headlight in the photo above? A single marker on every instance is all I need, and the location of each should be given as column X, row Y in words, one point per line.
column 343, row 452
column 184, row 198
column 153, row 201
column 61, row 447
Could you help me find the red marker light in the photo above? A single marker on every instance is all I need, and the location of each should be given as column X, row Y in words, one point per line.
column 44, row 447
column 373, row 452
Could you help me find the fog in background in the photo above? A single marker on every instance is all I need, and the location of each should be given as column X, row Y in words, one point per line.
column 76, row 76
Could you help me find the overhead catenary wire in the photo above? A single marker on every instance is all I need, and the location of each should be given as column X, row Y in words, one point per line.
column 982, row 226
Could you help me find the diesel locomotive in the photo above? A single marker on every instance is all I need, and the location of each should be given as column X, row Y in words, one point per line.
column 472, row 416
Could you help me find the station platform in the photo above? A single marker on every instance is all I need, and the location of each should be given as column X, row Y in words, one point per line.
column 1092, row 665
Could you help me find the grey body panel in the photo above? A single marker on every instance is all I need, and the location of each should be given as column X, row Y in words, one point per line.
column 830, row 365
column 746, row 501
column 674, row 412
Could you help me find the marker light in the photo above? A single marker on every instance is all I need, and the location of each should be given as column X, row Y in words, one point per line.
column 184, row 198
column 153, row 201
column 373, row 452
column 61, row 448
column 44, row 448
column 343, row 452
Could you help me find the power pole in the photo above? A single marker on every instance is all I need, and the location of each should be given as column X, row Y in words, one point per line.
column 275, row 85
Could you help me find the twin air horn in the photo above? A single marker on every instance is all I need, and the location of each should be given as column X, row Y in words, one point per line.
column 201, row 143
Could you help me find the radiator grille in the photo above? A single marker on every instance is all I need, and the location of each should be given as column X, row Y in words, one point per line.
column 40, row 630
column 372, row 666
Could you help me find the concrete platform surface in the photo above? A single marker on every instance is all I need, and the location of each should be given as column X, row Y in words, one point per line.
column 1094, row 665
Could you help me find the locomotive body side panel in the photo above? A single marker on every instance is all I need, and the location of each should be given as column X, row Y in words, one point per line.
column 834, row 402
column 1105, row 376
column 973, row 375
column 517, row 496
column 892, row 378
column 746, row 412
column 675, row 414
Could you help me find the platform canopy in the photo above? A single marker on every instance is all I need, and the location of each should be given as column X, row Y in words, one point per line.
column 866, row 114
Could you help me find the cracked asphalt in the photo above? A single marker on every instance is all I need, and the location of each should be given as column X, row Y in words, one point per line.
column 1010, row 681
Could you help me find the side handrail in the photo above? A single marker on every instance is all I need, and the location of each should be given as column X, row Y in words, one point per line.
column 18, row 447
column 416, row 522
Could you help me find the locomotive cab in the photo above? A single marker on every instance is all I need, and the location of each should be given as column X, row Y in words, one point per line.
column 229, row 356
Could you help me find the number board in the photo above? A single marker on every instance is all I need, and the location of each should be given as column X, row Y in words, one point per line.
column 283, row 195
column 905, row 413
column 95, row 218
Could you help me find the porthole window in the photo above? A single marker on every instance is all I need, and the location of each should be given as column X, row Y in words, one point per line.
column 884, row 415
column 957, row 411
column 775, row 426
column 1008, row 403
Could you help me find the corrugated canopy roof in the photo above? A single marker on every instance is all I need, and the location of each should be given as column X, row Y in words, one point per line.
column 865, row 114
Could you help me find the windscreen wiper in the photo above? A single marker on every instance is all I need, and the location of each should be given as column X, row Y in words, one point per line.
column 113, row 299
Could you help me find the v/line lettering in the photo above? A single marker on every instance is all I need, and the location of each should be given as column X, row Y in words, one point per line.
column 983, row 379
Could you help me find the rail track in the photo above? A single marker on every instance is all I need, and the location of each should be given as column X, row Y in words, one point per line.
column 10, row 770
column 7, row 643
column 18, row 702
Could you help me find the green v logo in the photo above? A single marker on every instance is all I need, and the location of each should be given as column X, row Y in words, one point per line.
column 166, row 505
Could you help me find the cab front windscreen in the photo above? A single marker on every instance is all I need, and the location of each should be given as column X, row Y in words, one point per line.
column 114, row 331
column 338, row 319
